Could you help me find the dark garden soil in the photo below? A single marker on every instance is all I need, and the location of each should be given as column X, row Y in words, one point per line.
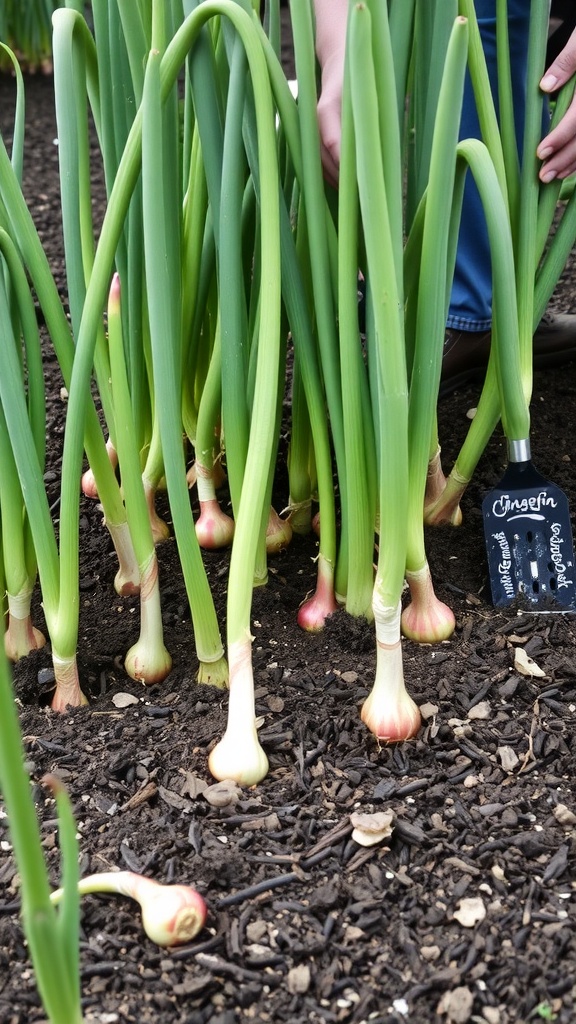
column 304, row 924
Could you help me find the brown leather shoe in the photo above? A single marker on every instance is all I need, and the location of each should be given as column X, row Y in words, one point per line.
column 466, row 352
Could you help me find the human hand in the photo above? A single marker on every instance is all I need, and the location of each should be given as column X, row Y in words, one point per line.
column 558, row 149
column 330, row 116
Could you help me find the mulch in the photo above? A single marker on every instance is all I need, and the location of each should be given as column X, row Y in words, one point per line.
column 466, row 913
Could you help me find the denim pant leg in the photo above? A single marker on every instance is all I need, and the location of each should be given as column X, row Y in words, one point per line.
column 471, row 299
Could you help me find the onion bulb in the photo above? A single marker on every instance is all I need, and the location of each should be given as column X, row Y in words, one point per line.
column 171, row 914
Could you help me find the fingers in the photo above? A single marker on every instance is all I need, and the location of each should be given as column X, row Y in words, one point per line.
column 558, row 149
column 563, row 67
column 331, row 167
column 330, row 131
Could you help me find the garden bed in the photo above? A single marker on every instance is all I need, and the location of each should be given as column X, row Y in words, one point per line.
column 334, row 931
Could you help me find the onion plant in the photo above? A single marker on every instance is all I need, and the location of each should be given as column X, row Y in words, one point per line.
column 17, row 541
column 148, row 659
column 19, row 558
column 122, row 189
column 540, row 251
column 171, row 914
column 52, row 934
column 402, row 400
column 26, row 29
column 19, row 555
column 60, row 593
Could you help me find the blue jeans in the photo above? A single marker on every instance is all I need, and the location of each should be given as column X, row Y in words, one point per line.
column 471, row 300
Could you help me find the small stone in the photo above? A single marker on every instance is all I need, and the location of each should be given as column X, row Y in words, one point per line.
column 491, row 1014
column 481, row 711
column 124, row 700
column 457, row 1005
column 256, row 930
column 508, row 758
column 470, row 781
column 470, row 911
column 430, row 953
column 299, row 979
column 349, row 677
column 563, row 815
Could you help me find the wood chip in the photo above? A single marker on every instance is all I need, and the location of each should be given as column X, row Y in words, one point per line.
column 222, row 794
column 369, row 829
column 526, row 665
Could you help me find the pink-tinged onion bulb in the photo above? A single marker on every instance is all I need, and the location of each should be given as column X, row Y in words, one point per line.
column 443, row 508
column 160, row 529
column 313, row 613
column 214, row 529
column 427, row 620
column 278, row 533
column 21, row 635
column 89, row 487
column 389, row 711
column 67, row 693
column 172, row 915
column 238, row 755
column 435, row 479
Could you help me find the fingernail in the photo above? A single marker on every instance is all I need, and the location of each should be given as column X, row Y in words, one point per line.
column 548, row 176
column 543, row 153
column 548, row 83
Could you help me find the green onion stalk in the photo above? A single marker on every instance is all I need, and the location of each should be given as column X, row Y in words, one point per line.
column 239, row 755
column 218, row 112
column 332, row 577
column 3, row 597
column 539, row 259
column 21, row 228
column 26, row 28
column 299, row 451
column 359, row 441
column 296, row 292
column 214, row 528
column 220, row 117
column 162, row 251
column 148, row 659
column 106, row 70
column 19, row 556
column 59, row 594
column 426, row 618
column 53, row 936
column 164, row 336
column 389, row 712
column 433, row 22
column 296, row 296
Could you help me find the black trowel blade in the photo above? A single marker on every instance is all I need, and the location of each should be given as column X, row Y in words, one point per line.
column 529, row 542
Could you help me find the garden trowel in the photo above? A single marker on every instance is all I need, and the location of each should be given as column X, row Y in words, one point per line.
column 529, row 538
